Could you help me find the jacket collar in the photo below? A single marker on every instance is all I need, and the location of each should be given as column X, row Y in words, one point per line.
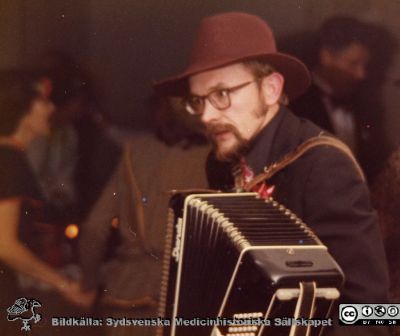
column 287, row 136
column 279, row 137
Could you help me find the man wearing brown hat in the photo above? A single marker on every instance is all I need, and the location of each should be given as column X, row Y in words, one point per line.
column 238, row 84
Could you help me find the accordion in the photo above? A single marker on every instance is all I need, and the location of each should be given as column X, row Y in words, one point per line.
column 237, row 264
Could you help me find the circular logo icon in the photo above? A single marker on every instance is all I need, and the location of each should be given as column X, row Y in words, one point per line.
column 367, row 311
column 392, row 311
column 380, row 311
column 348, row 314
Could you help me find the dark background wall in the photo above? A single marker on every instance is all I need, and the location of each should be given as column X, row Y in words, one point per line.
column 125, row 44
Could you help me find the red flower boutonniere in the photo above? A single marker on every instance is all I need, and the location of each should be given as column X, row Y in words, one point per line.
column 264, row 190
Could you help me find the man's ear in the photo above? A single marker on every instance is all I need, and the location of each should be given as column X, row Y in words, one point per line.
column 272, row 88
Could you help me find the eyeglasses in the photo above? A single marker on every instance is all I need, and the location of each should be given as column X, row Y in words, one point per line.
column 219, row 98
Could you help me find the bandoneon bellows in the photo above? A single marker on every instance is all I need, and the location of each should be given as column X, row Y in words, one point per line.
column 242, row 265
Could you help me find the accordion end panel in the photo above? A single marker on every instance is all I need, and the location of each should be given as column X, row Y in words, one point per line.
column 246, row 265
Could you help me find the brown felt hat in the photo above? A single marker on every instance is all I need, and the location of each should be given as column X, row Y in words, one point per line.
column 232, row 37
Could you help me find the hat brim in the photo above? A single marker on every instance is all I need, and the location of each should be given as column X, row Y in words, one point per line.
column 297, row 77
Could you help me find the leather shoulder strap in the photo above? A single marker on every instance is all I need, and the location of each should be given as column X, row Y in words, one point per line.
column 321, row 140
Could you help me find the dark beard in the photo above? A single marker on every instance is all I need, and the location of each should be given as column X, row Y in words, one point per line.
column 239, row 150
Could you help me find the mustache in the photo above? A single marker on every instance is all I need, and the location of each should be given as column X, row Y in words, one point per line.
column 240, row 147
column 214, row 129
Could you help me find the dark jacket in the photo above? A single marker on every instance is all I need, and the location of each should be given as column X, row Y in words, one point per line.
column 372, row 145
column 311, row 107
column 324, row 189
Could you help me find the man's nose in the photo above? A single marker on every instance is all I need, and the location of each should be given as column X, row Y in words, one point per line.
column 210, row 113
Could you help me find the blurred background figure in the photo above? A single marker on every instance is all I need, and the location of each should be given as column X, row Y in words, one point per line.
column 122, row 241
column 386, row 199
column 72, row 163
column 25, row 110
column 76, row 160
column 343, row 55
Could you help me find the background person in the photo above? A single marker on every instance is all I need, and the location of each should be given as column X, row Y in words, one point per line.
column 122, row 240
column 344, row 55
column 74, row 162
column 24, row 115
column 385, row 196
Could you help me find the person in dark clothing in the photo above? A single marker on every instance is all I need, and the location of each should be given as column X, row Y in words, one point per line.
column 238, row 84
column 385, row 198
column 385, row 194
column 75, row 161
column 343, row 52
column 24, row 115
